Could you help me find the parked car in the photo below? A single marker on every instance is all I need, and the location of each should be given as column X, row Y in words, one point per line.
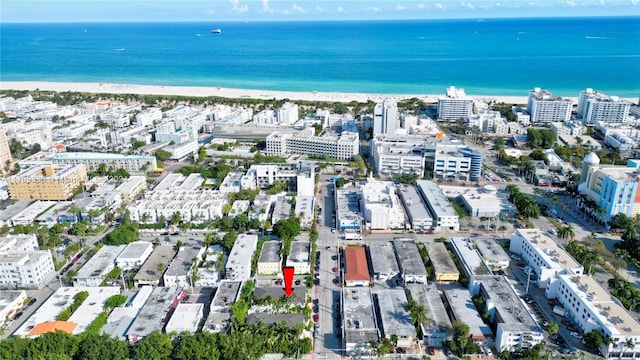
column 335, row 269
column 576, row 335
column 32, row 301
column 432, row 351
column 316, row 317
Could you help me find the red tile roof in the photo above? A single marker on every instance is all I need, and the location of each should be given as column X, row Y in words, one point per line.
column 356, row 264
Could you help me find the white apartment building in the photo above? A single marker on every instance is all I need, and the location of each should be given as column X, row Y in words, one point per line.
column 134, row 255
column 180, row 272
column 543, row 255
column 132, row 187
column 385, row 117
column 455, row 105
column 592, row 307
column 621, row 141
column 22, row 264
column 270, row 260
column 265, row 117
column 149, row 116
column 544, row 107
column 182, row 150
column 399, row 154
column 95, row 271
column 238, row 265
column 485, row 120
column 453, row 161
column 93, row 160
column 342, row 147
column 10, row 302
column 124, row 136
column 595, row 106
column 572, row 128
column 381, row 206
column 287, row 114
column 445, row 218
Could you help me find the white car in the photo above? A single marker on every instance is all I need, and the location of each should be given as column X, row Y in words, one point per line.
column 576, row 335
column 489, row 352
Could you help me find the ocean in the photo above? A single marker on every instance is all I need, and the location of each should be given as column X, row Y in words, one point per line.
column 484, row 56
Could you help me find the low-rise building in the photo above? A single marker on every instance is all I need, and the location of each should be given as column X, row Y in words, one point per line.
column 543, row 255
column 419, row 217
column 179, row 273
column 93, row 160
column 304, row 210
column 270, row 260
column 134, row 255
column 470, row 260
column 395, row 319
column 484, row 202
column 461, row 308
column 383, row 261
column 238, row 265
column 347, row 210
column 132, row 188
column 151, row 271
column 359, row 325
column 445, row 218
column 299, row 257
column 10, row 302
column 592, row 307
column 356, row 266
column 443, row 266
column 95, row 271
column 155, row 312
column 282, row 209
column 380, row 205
column 438, row 327
column 515, row 328
column 185, row 319
column 342, row 147
column 22, row 264
column 412, row 268
column 493, row 254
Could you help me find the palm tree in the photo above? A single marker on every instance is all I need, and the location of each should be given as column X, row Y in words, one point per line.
column 504, row 354
column 419, row 314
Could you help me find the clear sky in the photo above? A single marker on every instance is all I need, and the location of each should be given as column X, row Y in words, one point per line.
column 278, row 10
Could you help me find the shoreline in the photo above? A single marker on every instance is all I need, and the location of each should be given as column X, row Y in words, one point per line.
column 234, row 93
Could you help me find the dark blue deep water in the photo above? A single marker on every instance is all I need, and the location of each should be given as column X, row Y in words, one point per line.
column 486, row 57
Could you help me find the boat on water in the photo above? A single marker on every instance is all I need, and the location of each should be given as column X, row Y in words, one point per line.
column 216, row 31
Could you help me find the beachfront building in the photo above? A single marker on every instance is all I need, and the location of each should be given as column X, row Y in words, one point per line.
column 591, row 307
column 47, row 182
column 380, row 205
column 544, row 107
column 596, row 106
column 149, row 116
column 22, row 264
column 93, row 161
column 613, row 188
column 385, row 117
column 342, row 147
column 543, row 255
column 455, row 105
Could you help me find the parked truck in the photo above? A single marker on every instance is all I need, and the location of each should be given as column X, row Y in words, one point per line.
column 559, row 310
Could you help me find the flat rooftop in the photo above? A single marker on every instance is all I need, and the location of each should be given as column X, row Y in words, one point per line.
column 12, row 210
column 607, row 309
column 548, row 249
column 62, row 299
column 153, row 312
column 135, row 250
column 270, row 252
column 186, row 317
column 299, row 252
column 383, row 259
column 439, row 256
column 437, row 200
column 514, row 315
column 290, row 320
column 359, row 324
column 429, row 297
column 416, row 210
column 464, row 310
column 470, row 258
column 7, row 297
column 395, row 318
column 66, row 156
column 183, row 261
column 99, row 263
column 33, row 211
column 409, row 258
column 226, row 294
column 491, row 250
column 149, row 272
column 347, row 209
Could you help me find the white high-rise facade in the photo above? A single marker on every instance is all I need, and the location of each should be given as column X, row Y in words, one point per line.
column 544, row 107
column 385, row 117
column 455, row 105
column 595, row 106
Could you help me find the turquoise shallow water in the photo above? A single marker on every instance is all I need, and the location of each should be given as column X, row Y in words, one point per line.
column 486, row 57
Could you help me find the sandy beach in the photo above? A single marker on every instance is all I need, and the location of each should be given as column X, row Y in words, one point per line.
column 234, row 93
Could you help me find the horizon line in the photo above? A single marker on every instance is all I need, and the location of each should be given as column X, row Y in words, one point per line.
column 326, row 20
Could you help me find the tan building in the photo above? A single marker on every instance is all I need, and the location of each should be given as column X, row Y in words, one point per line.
column 47, row 182
column 5, row 152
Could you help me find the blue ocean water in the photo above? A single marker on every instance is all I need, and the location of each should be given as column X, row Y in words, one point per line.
column 486, row 57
